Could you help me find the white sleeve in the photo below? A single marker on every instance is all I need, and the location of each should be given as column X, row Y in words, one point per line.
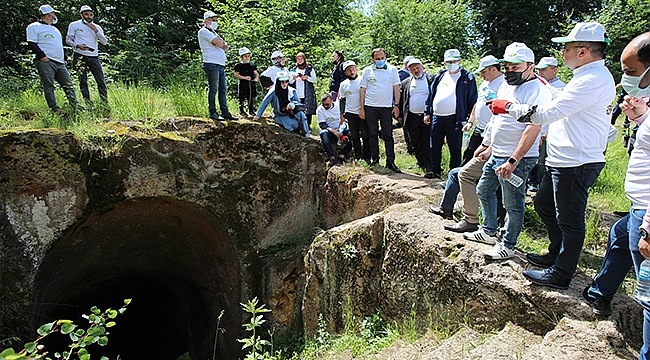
column 364, row 79
column 396, row 80
column 32, row 34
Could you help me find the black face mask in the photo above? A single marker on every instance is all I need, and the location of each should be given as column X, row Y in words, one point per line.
column 352, row 78
column 516, row 78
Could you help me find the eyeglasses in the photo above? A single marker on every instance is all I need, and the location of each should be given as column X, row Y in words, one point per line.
column 565, row 47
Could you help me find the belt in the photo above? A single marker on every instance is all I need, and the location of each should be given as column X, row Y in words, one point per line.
column 416, row 114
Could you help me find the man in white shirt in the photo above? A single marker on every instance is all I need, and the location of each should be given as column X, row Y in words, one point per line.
column 268, row 76
column 578, row 128
column 350, row 107
column 547, row 68
column 451, row 100
column 83, row 36
column 331, row 131
column 514, row 150
column 380, row 96
column 213, row 49
column 45, row 41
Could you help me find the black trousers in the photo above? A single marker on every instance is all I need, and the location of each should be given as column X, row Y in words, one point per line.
column 359, row 135
column 418, row 134
column 474, row 142
column 376, row 116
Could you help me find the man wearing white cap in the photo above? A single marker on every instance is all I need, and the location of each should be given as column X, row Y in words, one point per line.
column 83, row 36
column 547, row 68
column 45, row 41
column 578, row 127
column 404, row 71
column 514, row 150
column 214, row 48
column 350, row 107
column 415, row 91
column 451, row 99
column 268, row 76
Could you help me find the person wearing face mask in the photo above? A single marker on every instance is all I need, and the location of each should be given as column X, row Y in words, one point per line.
column 415, row 91
column 338, row 74
column 511, row 149
column 83, row 36
column 332, row 129
column 304, row 78
column 578, row 130
column 285, row 102
column 629, row 235
column 350, row 108
column 214, row 48
column 44, row 40
column 246, row 72
column 449, row 105
column 379, row 96
column 547, row 68
column 268, row 76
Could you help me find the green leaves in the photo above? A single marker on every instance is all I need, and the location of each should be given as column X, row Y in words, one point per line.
column 45, row 329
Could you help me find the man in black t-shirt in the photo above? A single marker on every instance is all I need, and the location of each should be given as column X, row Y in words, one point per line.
column 246, row 72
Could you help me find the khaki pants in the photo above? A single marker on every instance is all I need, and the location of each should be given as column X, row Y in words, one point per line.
column 468, row 177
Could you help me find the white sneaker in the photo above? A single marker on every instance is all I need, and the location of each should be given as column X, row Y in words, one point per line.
column 499, row 252
column 480, row 236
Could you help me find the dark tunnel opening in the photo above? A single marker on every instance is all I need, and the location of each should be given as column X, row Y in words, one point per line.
column 175, row 262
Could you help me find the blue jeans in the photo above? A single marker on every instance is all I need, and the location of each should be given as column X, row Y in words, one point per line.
column 514, row 198
column 622, row 253
column 216, row 84
column 329, row 138
column 561, row 202
column 441, row 127
column 452, row 188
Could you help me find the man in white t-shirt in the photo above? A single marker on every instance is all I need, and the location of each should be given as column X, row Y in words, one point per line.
column 514, row 150
column 268, row 76
column 350, row 107
column 379, row 96
column 83, row 36
column 451, row 99
column 578, row 128
column 331, row 131
column 213, row 49
column 44, row 40
column 547, row 68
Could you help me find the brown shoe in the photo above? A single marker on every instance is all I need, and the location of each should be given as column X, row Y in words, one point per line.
column 445, row 213
column 461, row 227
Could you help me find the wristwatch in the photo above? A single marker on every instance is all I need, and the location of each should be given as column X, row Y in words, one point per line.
column 513, row 161
column 644, row 234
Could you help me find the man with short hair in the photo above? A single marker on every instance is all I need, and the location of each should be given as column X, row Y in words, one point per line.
column 44, row 40
column 547, row 68
column 451, row 99
column 578, row 128
column 379, row 96
column 350, row 107
column 514, row 149
column 214, row 48
column 331, row 131
column 83, row 36
column 415, row 91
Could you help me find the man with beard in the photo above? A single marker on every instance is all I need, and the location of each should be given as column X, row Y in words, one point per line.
column 350, row 107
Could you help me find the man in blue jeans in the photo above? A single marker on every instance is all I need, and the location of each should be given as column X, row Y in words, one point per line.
column 214, row 48
column 578, row 127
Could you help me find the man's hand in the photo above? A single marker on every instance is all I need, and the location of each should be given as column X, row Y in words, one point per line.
column 247, row 78
column 427, row 119
column 362, row 113
column 395, row 111
column 498, row 106
column 341, row 119
column 82, row 47
column 485, row 154
column 633, row 107
column 644, row 248
column 92, row 26
column 44, row 59
column 505, row 170
column 468, row 126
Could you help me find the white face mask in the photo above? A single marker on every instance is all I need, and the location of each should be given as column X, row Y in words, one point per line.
column 452, row 67
column 213, row 25
column 55, row 20
column 631, row 84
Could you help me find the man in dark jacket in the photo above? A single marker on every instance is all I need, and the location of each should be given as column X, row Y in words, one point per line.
column 451, row 99
column 415, row 91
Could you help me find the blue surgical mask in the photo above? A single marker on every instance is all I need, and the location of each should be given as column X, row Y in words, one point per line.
column 631, row 84
column 380, row 63
column 452, row 67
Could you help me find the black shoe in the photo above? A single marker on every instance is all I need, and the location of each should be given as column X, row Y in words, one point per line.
column 461, row 227
column 432, row 175
column 600, row 307
column 547, row 277
column 438, row 210
column 229, row 117
column 374, row 162
column 541, row 260
column 394, row 168
column 243, row 114
column 215, row 117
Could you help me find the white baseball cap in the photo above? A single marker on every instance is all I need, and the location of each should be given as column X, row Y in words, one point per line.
column 85, row 8
column 546, row 62
column 283, row 76
column 277, row 54
column 584, row 31
column 452, row 54
column 348, row 63
column 407, row 59
column 517, row 53
column 46, row 9
column 244, row 51
column 208, row 14
column 485, row 62
column 413, row 62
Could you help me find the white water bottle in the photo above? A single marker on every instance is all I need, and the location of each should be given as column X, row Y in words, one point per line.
column 515, row 180
column 465, row 139
column 642, row 292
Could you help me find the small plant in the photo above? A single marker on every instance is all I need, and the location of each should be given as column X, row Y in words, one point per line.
column 258, row 347
column 349, row 251
column 96, row 333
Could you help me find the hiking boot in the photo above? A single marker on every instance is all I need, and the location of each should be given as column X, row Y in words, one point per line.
column 482, row 237
column 600, row 307
column 499, row 252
